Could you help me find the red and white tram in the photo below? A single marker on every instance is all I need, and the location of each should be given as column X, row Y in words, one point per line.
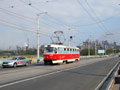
column 60, row 54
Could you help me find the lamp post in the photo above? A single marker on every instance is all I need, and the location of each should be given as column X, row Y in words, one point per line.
column 38, row 35
column 69, row 37
column 89, row 48
column 80, row 49
column 95, row 49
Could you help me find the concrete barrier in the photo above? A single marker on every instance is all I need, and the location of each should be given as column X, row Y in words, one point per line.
column 87, row 57
column 1, row 62
column 35, row 60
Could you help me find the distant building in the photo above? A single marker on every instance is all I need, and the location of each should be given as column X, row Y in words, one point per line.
column 99, row 45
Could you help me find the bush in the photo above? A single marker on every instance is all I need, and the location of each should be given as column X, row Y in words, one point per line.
column 84, row 52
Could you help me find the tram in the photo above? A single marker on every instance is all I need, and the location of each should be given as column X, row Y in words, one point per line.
column 55, row 54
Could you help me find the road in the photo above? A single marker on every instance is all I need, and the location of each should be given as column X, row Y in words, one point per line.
column 84, row 75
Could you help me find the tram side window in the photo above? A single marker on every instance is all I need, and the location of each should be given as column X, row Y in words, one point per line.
column 64, row 49
column 70, row 49
column 73, row 49
column 67, row 49
column 48, row 49
column 76, row 50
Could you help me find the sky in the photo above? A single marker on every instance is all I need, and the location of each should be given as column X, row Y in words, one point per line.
column 93, row 19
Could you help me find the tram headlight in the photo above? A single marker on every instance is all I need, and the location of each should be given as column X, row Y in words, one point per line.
column 50, row 57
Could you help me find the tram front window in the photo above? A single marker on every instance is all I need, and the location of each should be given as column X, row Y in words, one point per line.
column 50, row 50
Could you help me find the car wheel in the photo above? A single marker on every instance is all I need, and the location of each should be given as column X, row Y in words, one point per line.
column 3, row 66
column 26, row 64
column 14, row 65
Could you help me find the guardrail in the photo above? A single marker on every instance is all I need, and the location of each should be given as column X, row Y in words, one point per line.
column 34, row 59
column 111, row 79
column 94, row 56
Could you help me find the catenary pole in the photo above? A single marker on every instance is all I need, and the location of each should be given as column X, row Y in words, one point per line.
column 38, row 35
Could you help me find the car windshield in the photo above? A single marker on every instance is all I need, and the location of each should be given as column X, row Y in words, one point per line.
column 13, row 58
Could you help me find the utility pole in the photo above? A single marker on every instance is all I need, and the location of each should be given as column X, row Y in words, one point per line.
column 105, row 49
column 89, row 47
column 80, row 49
column 69, row 37
column 38, row 35
column 28, row 43
column 38, row 56
column 95, row 49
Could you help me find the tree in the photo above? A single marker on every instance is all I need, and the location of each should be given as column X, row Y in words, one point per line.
column 84, row 52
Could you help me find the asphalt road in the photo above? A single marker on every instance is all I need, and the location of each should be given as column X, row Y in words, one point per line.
column 76, row 77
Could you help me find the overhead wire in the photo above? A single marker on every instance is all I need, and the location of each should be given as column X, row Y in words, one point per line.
column 36, row 10
column 64, row 24
column 105, row 28
column 92, row 17
column 79, row 2
column 29, row 19
column 10, row 23
column 53, row 18
column 20, row 29
column 24, row 17
column 30, row 6
column 21, row 16
column 89, row 24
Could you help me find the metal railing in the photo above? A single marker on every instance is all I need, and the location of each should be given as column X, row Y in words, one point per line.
column 109, row 81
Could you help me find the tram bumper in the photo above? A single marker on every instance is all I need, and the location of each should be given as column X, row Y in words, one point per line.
column 53, row 61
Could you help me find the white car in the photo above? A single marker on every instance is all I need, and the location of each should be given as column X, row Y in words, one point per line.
column 16, row 61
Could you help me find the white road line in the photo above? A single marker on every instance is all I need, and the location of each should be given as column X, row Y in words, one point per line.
column 28, row 79
column 5, row 85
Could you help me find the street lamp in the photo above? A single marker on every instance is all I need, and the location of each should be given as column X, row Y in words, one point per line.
column 38, row 35
column 89, row 48
column 95, row 48
column 80, row 48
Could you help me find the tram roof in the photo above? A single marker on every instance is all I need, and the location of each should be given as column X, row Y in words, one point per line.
column 63, row 46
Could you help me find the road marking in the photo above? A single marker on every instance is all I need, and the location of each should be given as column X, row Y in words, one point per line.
column 28, row 79
column 54, row 72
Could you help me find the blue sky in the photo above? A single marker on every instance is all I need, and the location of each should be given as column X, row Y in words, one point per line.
column 87, row 19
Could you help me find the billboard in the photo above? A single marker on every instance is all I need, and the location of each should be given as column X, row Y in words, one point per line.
column 101, row 51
